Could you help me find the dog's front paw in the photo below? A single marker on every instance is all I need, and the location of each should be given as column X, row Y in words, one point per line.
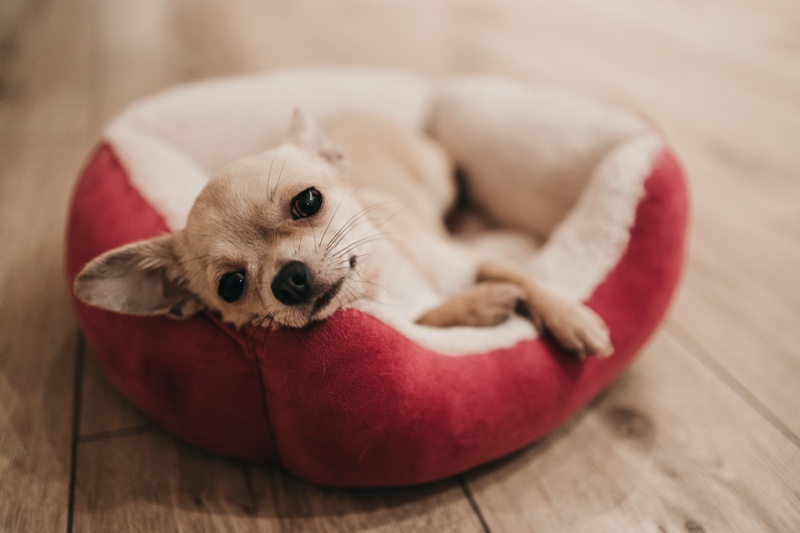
column 485, row 304
column 492, row 303
column 577, row 329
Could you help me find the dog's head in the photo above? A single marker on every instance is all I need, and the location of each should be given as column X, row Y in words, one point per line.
column 274, row 239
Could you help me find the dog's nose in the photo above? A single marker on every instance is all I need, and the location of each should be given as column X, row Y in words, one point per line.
column 292, row 284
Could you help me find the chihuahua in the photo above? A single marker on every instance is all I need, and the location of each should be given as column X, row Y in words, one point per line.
column 291, row 235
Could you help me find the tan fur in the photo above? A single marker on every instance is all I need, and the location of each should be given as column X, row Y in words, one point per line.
column 375, row 178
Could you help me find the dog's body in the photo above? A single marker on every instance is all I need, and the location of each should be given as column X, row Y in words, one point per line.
column 290, row 236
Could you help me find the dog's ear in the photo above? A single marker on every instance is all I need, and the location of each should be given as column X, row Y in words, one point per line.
column 143, row 278
column 306, row 133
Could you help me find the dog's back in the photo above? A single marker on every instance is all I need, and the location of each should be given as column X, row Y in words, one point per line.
column 405, row 165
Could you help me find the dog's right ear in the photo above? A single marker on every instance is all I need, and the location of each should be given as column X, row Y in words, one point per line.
column 143, row 278
column 306, row 133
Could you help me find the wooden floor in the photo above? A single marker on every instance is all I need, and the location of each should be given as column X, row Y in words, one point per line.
column 703, row 432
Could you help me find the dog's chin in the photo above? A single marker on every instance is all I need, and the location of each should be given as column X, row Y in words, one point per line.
column 300, row 318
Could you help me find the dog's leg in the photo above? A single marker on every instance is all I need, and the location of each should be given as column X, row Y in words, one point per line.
column 484, row 304
column 576, row 327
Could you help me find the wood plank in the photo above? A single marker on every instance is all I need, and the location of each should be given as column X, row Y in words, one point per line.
column 43, row 131
column 104, row 409
column 142, row 52
column 668, row 448
column 153, row 483
column 740, row 306
column 132, row 35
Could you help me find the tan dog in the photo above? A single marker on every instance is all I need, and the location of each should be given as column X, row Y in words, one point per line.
column 290, row 236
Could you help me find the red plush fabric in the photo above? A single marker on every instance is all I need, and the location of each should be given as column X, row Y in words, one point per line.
column 366, row 407
column 192, row 377
column 350, row 402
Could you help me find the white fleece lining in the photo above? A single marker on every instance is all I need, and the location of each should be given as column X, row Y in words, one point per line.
column 538, row 159
column 582, row 250
column 187, row 133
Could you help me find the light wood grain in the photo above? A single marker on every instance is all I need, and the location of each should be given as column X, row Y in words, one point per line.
column 153, row 483
column 701, row 434
column 667, row 448
column 104, row 410
column 43, row 131
column 740, row 304
column 132, row 34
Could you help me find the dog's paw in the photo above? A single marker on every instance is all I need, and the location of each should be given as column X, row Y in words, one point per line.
column 485, row 304
column 492, row 303
column 577, row 329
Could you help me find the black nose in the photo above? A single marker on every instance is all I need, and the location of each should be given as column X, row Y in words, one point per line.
column 292, row 284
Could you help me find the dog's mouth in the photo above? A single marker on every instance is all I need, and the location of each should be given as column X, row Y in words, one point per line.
column 327, row 297
column 318, row 308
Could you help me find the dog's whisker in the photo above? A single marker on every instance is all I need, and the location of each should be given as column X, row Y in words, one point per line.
column 257, row 327
column 348, row 260
column 299, row 242
column 356, row 298
column 341, row 234
column 392, row 216
column 364, row 240
column 356, row 223
column 197, row 258
column 333, row 249
column 265, row 331
column 269, row 173
column 321, row 239
column 280, row 175
column 202, row 268
column 361, row 279
column 314, row 235
column 352, row 220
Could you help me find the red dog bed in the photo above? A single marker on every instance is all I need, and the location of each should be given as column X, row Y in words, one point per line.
column 371, row 399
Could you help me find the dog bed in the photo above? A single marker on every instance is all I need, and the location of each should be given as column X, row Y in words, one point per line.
column 369, row 399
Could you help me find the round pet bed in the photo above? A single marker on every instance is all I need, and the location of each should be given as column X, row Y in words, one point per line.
column 368, row 398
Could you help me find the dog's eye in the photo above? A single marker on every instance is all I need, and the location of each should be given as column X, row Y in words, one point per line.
column 231, row 286
column 306, row 203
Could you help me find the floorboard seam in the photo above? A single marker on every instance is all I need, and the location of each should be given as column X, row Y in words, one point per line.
column 115, row 433
column 704, row 357
column 468, row 493
column 80, row 349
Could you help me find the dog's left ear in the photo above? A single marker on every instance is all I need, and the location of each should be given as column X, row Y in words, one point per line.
column 305, row 132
